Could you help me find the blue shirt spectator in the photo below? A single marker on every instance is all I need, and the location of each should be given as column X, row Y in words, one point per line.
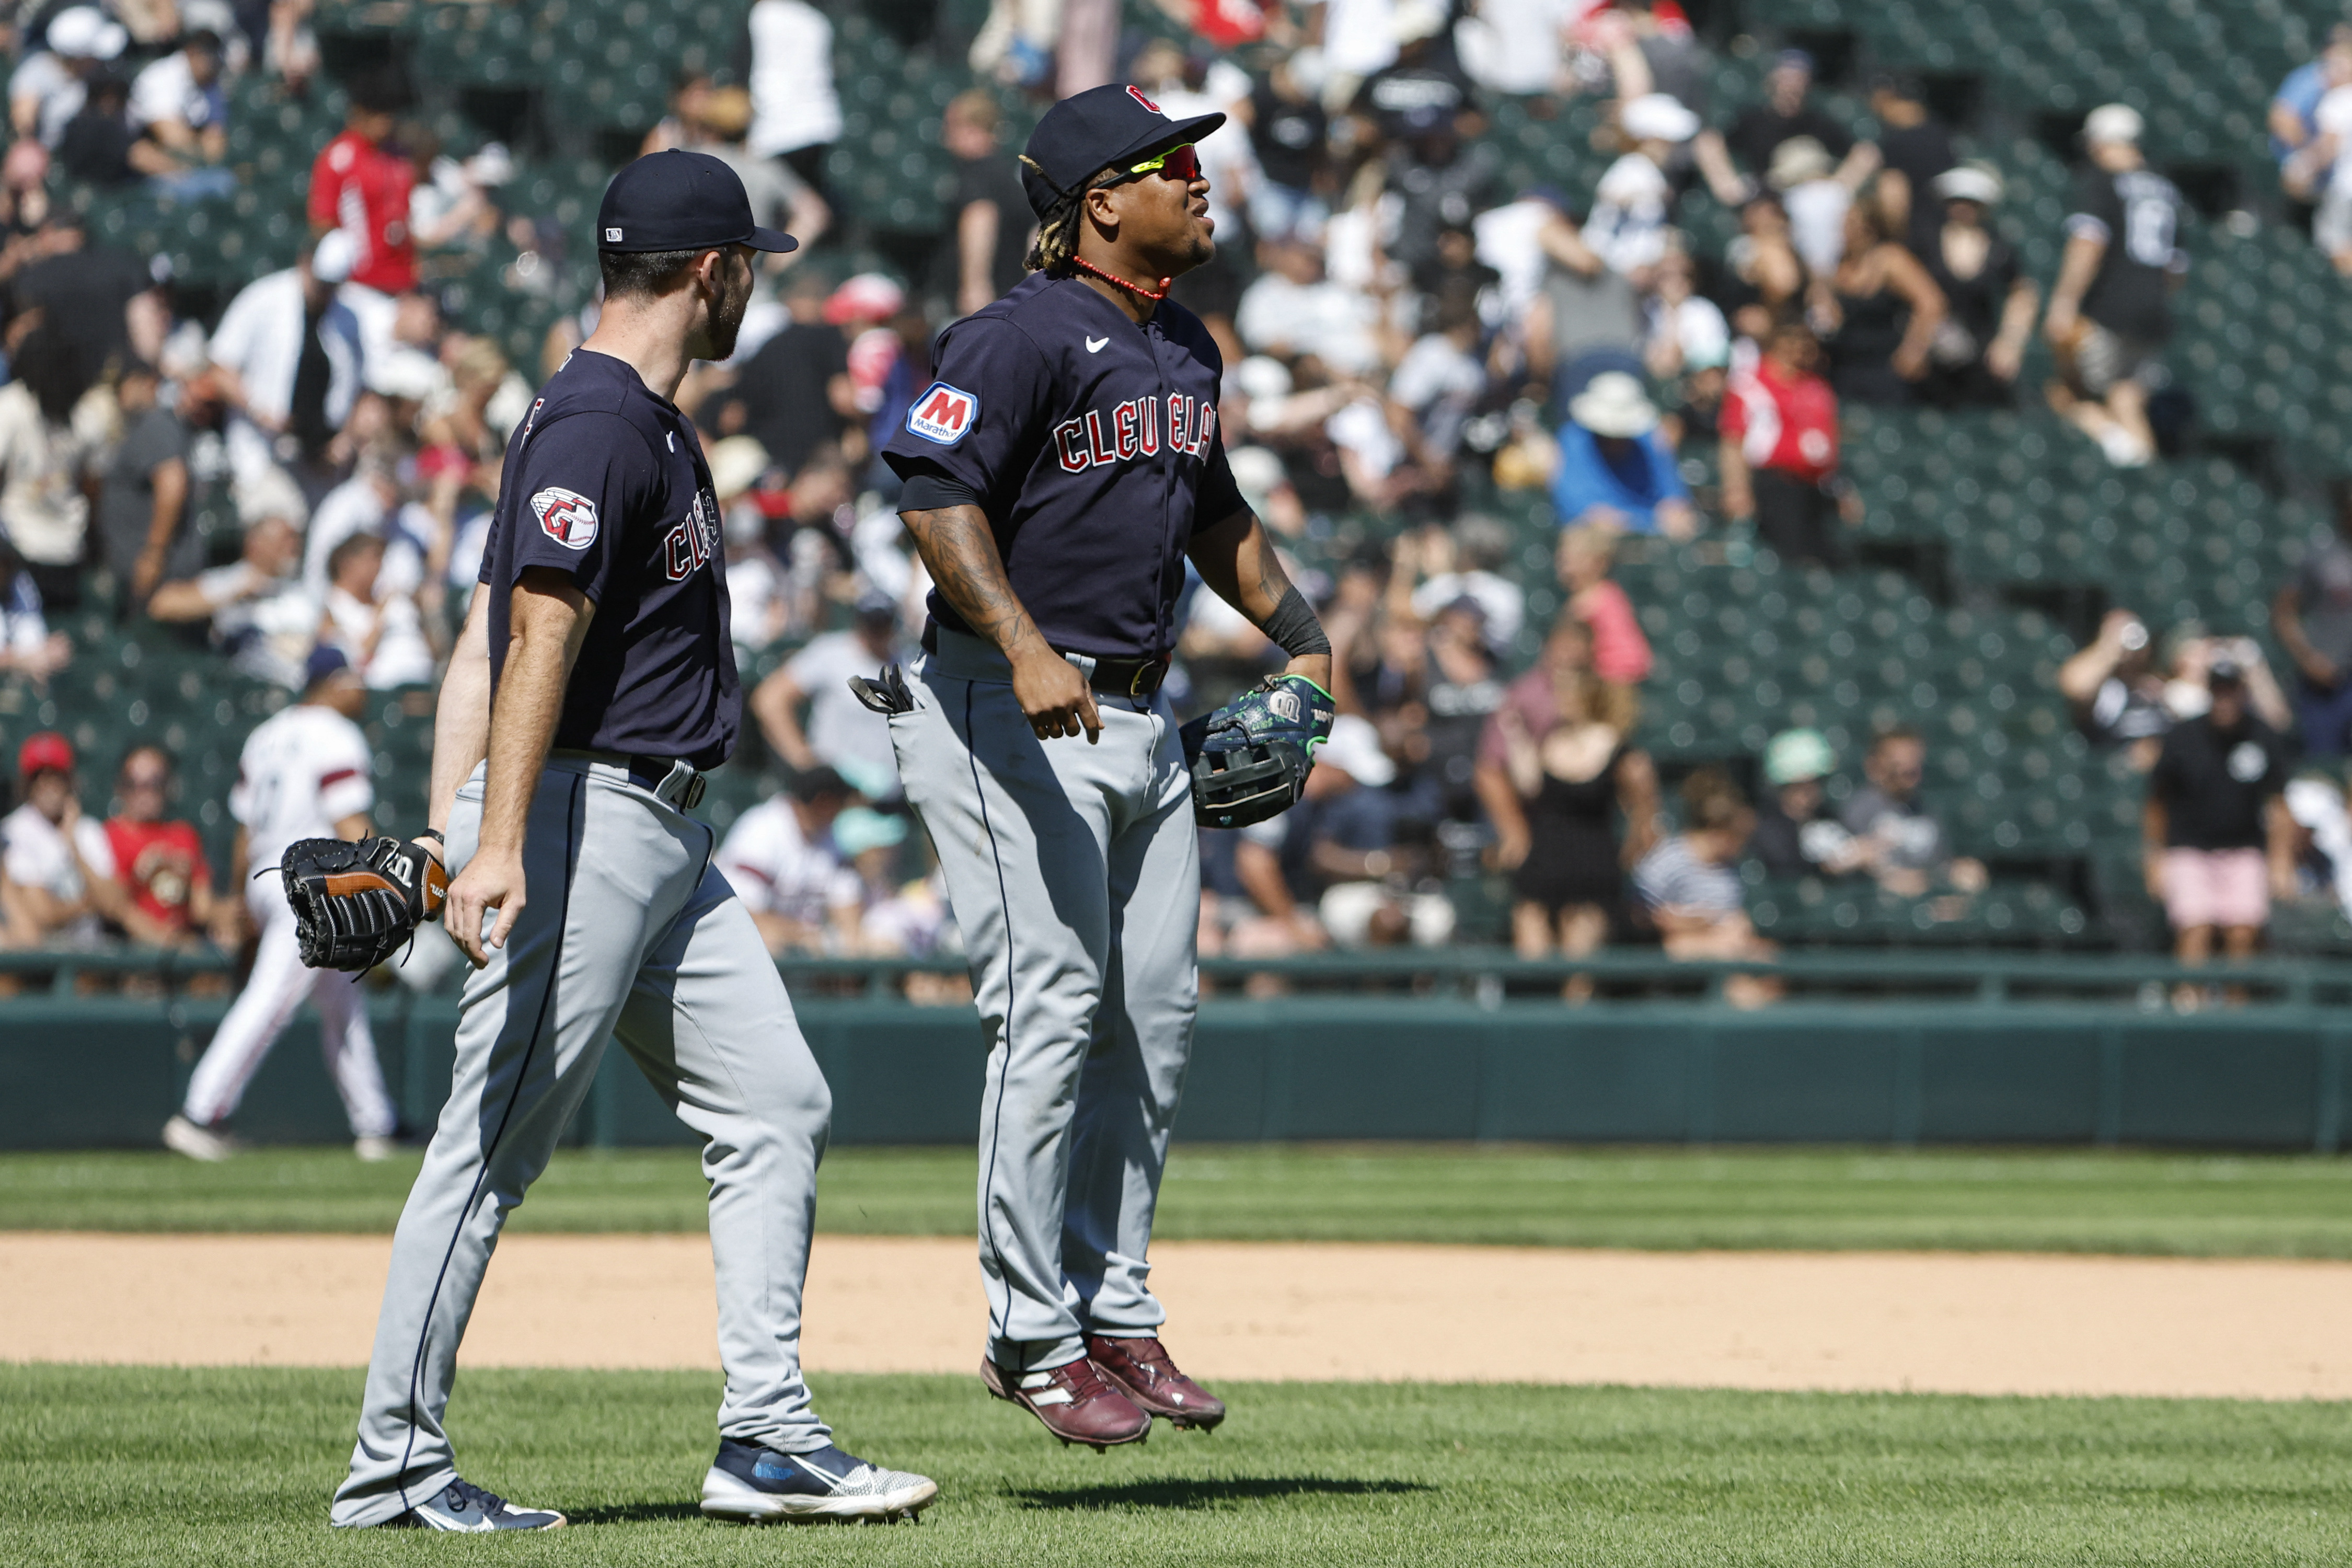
column 2295, row 108
column 1614, row 466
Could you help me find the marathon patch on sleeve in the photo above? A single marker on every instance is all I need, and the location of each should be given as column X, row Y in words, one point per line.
column 942, row 414
column 565, row 516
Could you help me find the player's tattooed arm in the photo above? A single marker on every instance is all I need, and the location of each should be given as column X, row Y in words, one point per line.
column 959, row 550
column 1237, row 561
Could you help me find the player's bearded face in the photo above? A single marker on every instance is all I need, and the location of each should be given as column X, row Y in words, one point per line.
column 734, row 299
column 1171, row 218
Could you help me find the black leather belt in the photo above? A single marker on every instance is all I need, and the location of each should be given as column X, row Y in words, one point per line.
column 1128, row 676
column 651, row 772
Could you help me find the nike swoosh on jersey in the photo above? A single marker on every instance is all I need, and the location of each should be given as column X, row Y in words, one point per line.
column 1095, row 345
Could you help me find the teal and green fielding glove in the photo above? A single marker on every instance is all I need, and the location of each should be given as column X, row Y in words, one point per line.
column 1250, row 759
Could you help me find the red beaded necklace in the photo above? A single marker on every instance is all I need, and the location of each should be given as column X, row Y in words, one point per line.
column 1136, row 289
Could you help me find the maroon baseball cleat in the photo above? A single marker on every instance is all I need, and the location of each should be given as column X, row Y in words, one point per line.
column 1141, row 1369
column 1074, row 1401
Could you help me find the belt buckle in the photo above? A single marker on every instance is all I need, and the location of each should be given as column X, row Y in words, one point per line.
column 1135, row 682
column 692, row 795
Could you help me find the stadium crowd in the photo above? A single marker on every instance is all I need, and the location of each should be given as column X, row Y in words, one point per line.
column 1406, row 336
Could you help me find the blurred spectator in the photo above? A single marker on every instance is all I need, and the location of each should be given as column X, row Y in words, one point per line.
column 1438, row 383
column 364, row 504
column 1683, row 329
column 1878, row 311
column 289, row 347
column 1294, row 308
column 98, row 145
column 27, row 646
column 1690, row 890
column 1461, row 692
column 1918, row 150
column 1440, row 181
column 56, row 858
column 1582, row 307
column 1614, row 467
column 1513, row 46
column 1758, row 132
column 2217, row 836
column 1290, row 133
column 1990, row 302
column 795, row 114
column 1764, row 277
column 1632, row 206
column 1572, row 785
column 1906, row 846
column 795, row 394
column 1621, row 654
column 24, row 205
column 1815, row 199
column 453, row 208
column 779, row 858
column 1780, row 449
column 2295, row 108
column 358, row 186
column 1464, row 562
column 2110, row 310
column 2116, row 692
column 142, row 499
column 1337, row 853
column 54, row 429
column 841, row 732
column 258, row 612
column 2189, row 691
column 85, row 293
column 1797, row 833
column 993, row 223
column 1534, row 704
column 781, row 197
column 2312, row 618
column 2321, row 170
column 1016, row 45
column 48, row 88
column 377, row 628
column 180, row 112
column 159, row 864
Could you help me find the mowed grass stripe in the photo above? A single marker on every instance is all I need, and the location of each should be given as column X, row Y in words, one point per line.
column 2176, row 1205
column 136, row 1466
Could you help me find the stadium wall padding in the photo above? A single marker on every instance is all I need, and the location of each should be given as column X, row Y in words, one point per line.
column 105, row 1073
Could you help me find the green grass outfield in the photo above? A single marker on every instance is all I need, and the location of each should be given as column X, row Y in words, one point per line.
column 134, row 1466
column 2196, row 1206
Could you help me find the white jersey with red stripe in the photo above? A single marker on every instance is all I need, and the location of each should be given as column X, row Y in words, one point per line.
column 302, row 771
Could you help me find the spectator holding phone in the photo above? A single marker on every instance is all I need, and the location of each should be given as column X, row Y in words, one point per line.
column 2219, row 842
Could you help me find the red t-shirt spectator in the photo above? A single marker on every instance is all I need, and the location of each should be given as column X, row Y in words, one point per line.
column 357, row 187
column 1621, row 654
column 160, row 864
column 1783, row 423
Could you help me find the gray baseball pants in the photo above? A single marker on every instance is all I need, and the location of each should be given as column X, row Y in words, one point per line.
column 628, row 933
column 1075, row 876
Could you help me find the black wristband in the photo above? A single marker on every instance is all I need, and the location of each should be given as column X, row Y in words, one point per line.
column 1294, row 628
column 433, row 833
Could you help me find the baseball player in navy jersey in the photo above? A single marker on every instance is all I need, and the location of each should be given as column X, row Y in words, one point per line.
column 592, row 683
column 1058, row 475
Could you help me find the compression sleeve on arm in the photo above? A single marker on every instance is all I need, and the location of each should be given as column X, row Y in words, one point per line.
column 1294, row 628
column 928, row 489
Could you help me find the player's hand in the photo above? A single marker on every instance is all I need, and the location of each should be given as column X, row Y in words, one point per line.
column 1053, row 697
column 492, row 879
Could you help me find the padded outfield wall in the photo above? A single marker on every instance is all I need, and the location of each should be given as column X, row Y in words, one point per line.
column 98, row 1072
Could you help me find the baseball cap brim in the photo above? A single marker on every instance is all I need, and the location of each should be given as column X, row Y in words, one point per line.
column 771, row 240
column 1175, row 135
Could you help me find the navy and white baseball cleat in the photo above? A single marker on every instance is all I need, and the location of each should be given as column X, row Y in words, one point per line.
column 465, row 1507
column 759, row 1485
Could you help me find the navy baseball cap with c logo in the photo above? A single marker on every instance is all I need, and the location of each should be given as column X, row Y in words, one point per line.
column 1089, row 131
column 680, row 201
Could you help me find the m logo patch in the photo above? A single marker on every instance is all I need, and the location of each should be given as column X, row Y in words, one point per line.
column 942, row 414
column 1137, row 94
column 567, row 517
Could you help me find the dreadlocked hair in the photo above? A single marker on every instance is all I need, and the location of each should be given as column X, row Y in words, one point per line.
column 1057, row 232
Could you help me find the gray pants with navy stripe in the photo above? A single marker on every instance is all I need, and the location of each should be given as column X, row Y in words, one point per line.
column 1074, row 873
column 629, row 934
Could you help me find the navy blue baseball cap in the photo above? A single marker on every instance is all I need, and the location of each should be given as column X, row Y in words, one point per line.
column 1098, row 129
column 678, row 200
column 326, row 659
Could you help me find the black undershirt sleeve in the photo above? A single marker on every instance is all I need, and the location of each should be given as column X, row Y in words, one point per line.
column 928, row 489
column 1294, row 628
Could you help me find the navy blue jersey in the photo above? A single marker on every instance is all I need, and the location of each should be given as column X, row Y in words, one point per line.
column 606, row 483
column 1092, row 444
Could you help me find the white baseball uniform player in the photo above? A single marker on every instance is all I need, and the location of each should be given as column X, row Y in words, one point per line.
column 302, row 774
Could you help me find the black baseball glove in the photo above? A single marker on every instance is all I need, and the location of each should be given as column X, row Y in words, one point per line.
column 355, row 905
column 1250, row 759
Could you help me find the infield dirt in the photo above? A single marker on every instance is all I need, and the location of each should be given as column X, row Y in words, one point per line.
column 1960, row 1323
